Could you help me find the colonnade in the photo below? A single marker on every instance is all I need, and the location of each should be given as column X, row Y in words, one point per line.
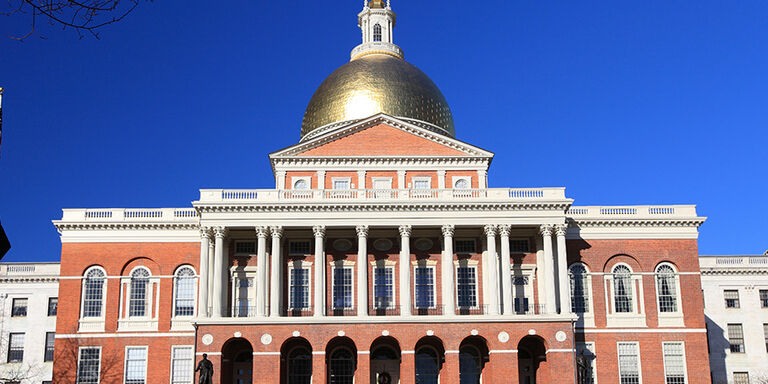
column 553, row 288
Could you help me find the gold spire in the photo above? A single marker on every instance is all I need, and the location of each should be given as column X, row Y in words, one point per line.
column 377, row 4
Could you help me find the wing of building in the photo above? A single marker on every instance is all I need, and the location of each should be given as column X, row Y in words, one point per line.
column 382, row 256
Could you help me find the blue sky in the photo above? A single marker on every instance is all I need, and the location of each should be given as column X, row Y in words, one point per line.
column 630, row 102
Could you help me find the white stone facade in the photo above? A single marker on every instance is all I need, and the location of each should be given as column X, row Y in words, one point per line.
column 742, row 278
column 38, row 283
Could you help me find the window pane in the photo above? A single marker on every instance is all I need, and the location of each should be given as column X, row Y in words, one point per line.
column 341, row 367
column 50, row 338
column 299, row 288
column 666, row 289
column 377, row 32
column 53, row 306
column 139, row 285
column 736, row 338
column 427, row 368
column 421, row 184
column 674, row 367
column 300, row 366
column 465, row 246
column 301, row 185
column 629, row 368
column 93, row 292
column 470, row 366
column 424, row 287
column 622, row 289
column 299, row 247
column 185, row 292
column 342, row 287
column 182, row 365
column 383, row 283
column 740, row 378
column 19, row 307
column 341, row 184
column 135, row 365
column 88, row 365
column 466, row 287
column 15, row 347
column 579, row 289
column 731, row 298
column 764, row 298
column 461, row 184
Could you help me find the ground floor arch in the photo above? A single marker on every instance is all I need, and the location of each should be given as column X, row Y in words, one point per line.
column 429, row 356
column 341, row 360
column 237, row 362
column 385, row 361
column 473, row 354
column 296, row 361
column 531, row 354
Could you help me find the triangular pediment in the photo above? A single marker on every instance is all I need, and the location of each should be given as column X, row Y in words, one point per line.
column 381, row 136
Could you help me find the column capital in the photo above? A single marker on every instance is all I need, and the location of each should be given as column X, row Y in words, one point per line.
column 206, row 233
column 220, row 232
column 504, row 230
column 546, row 230
column 441, row 172
column 319, row 230
column 490, row 230
column 561, row 229
column 405, row 230
column 362, row 230
column 448, row 230
column 262, row 232
column 276, row 231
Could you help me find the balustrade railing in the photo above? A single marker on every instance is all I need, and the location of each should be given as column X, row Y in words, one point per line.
column 250, row 311
column 476, row 310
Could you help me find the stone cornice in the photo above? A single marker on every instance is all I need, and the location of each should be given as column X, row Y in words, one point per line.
column 388, row 207
column 734, row 271
column 29, row 279
column 587, row 223
column 61, row 226
column 357, row 161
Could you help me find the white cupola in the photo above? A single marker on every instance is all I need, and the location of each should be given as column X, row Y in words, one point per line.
column 376, row 21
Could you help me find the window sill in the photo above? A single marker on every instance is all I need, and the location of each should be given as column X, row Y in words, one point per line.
column 628, row 320
column 182, row 324
column 132, row 325
column 671, row 320
column 91, row 325
column 585, row 320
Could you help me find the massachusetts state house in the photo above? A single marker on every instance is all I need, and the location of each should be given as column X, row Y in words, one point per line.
column 381, row 256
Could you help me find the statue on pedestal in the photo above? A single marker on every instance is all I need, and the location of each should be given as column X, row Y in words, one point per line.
column 206, row 370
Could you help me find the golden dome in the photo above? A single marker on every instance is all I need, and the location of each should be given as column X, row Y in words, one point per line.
column 377, row 83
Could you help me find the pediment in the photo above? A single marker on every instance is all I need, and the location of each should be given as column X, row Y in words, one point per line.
column 381, row 136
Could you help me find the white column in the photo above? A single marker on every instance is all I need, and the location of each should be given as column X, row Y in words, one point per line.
column 275, row 291
column 447, row 287
column 205, row 240
column 280, row 179
column 360, row 179
column 493, row 273
column 262, row 268
column 562, row 269
column 549, row 268
column 219, row 272
column 405, row 270
column 506, row 272
column 320, row 293
column 401, row 180
column 362, row 270
column 440, row 179
column 482, row 179
column 210, row 273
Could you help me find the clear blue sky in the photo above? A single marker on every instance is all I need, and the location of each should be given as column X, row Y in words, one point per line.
column 628, row 102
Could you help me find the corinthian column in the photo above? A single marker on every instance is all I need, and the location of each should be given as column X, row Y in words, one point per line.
column 562, row 269
column 506, row 271
column 220, row 264
column 549, row 268
column 493, row 274
column 262, row 268
column 405, row 270
column 205, row 240
column 320, row 293
column 362, row 270
column 447, row 286
column 276, row 286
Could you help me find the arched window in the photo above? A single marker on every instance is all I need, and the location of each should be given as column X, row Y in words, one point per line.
column 184, row 302
column 622, row 289
column 93, row 292
column 666, row 288
column 300, row 366
column 137, row 305
column 470, row 365
column 341, row 367
column 461, row 184
column 301, row 184
column 579, row 288
column 427, row 366
column 377, row 32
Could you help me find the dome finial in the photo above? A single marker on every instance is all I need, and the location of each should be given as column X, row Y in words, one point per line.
column 377, row 21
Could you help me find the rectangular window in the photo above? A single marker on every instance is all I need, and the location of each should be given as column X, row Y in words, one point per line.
column 521, row 305
column 736, row 338
column 182, row 365
column 342, row 287
column 466, row 287
column 674, row 362
column 465, row 246
column 383, row 287
column 764, row 298
column 53, row 306
column 299, row 247
column 629, row 363
column 50, row 338
column 245, row 247
column 740, row 378
column 519, row 246
column 424, row 287
column 19, row 307
column 422, row 183
column 136, row 365
column 341, row 184
column 731, row 298
column 15, row 347
column 299, row 288
column 88, row 365
column 765, row 335
column 588, row 349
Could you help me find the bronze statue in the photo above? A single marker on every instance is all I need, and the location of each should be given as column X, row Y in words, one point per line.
column 206, row 370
